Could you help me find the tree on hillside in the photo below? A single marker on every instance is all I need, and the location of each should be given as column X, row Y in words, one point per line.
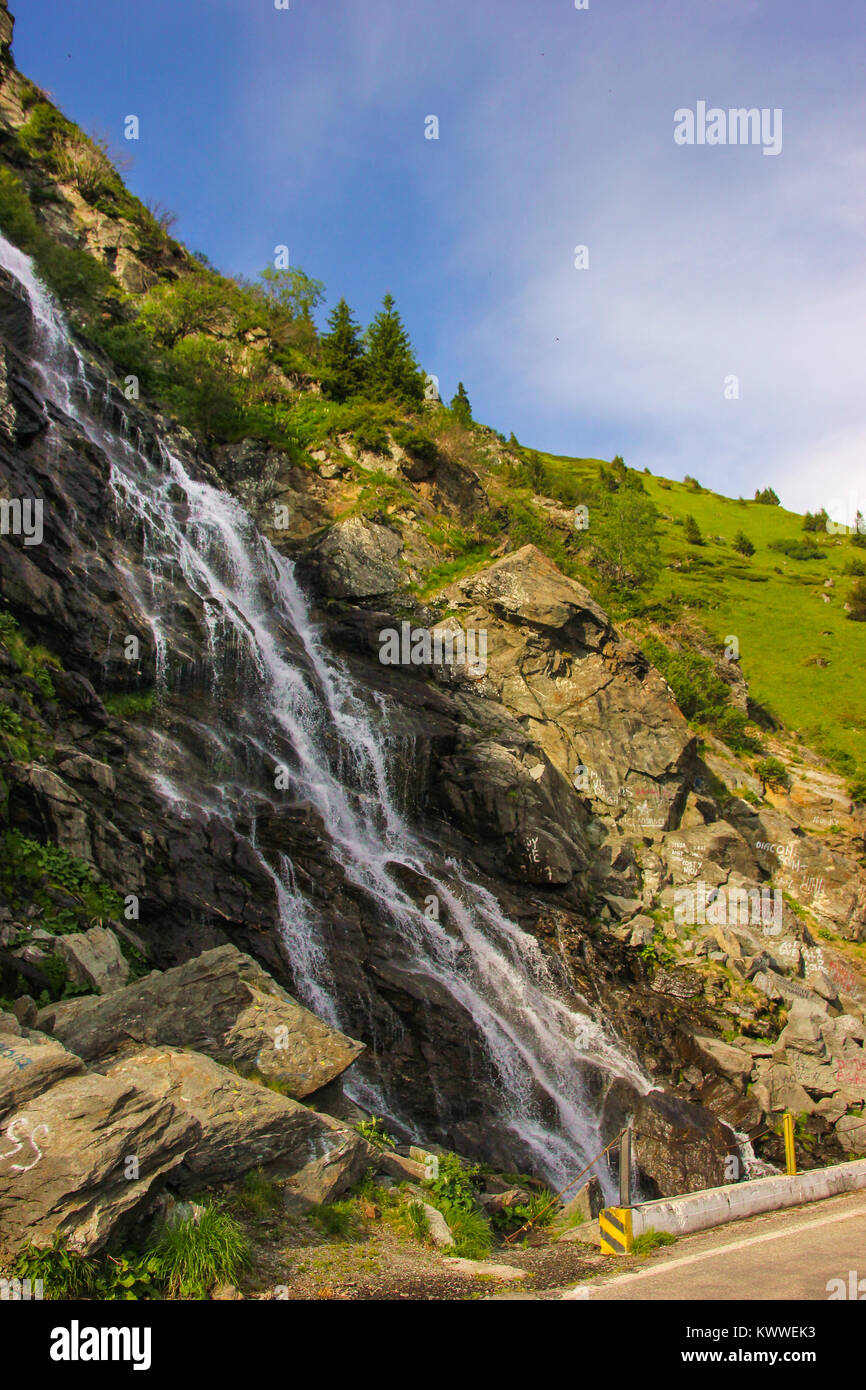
column 693, row 531
column 290, row 296
column 460, row 405
column 624, row 537
column 292, row 290
column 857, row 602
column 767, row 496
column 815, row 521
column 391, row 366
column 742, row 544
column 343, row 354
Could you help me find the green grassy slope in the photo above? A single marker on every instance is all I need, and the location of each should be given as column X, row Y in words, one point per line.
column 773, row 605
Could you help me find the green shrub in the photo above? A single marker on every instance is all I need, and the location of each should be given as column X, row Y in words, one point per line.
column 857, row 601
column 457, row 1183
column 742, row 544
column 373, row 1130
column 419, row 1225
column 539, row 1210
column 798, row 548
column 772, row 772
column 693, row 531
column 191, row 1256
column 335, row 1219
column 473, row 1238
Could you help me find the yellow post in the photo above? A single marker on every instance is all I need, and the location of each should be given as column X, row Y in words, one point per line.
column 614, row 1225
column 790, row 1155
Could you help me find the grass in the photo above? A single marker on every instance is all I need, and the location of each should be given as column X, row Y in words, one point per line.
column 339, row 1219
column 192, row 1256
column 130, row 706
column 258, row 1194
column 651, row 1240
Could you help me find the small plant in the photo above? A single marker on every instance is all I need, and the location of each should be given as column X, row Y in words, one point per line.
column 259, row 1194
column 457, row 1183
column 335, row 1219
column 651, row 1240
column 373, row 1130
column 128, row 706
column 191, row 1256
column 539, row 1210
column 419, row 1225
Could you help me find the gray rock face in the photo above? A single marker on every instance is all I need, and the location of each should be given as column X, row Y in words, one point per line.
column 358, row 559
column 680, row 1146
column 241, row 1124
column 81, row 1156
column 220, row 1003
column 94, row 958
column 591, row 701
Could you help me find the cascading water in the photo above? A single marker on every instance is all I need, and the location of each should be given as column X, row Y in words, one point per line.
column 277, row 699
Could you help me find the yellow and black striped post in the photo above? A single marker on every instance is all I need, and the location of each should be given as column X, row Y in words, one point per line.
column 790, row 1154
column 614, row 1225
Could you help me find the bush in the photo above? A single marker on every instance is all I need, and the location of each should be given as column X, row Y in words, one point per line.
column 772, row 772
column 374, row 1131
column 742, row 544
column 457, row 1183
column 703, row 697
column 857, row 602
column 693, row 531
column 191, row 1256
column 797, row 549
column 66, row 1275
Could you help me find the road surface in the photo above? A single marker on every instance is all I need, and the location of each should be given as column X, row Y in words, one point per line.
column 790, row 1254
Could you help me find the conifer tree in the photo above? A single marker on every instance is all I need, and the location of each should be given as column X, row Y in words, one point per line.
column 391, row 366
column 460, row 405
column 343, row 354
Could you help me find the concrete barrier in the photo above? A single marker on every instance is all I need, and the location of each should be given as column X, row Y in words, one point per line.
column 697, row 1211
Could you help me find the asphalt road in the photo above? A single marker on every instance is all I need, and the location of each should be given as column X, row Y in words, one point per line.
column 789, row 1255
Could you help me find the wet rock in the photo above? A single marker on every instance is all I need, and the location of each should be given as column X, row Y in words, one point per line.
column 680, row 1146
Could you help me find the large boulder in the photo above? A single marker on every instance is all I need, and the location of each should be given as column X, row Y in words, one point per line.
column 220, row 1003
column 94, row 958
column 357, row 559
column 242, row 1124
column 81, row 1156
column 680, row 1146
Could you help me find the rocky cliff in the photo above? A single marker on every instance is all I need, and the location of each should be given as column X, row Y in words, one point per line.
column 521, row 885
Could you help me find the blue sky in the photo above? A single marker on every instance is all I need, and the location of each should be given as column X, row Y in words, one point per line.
column 306, row 127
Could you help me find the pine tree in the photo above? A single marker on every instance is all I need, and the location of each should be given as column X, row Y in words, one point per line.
column 742, row 544
column 460, row 405
column 343, row 354
column 391, row 366
column 693, row 531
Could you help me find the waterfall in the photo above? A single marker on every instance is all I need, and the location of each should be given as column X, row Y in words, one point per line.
column 278, row 698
